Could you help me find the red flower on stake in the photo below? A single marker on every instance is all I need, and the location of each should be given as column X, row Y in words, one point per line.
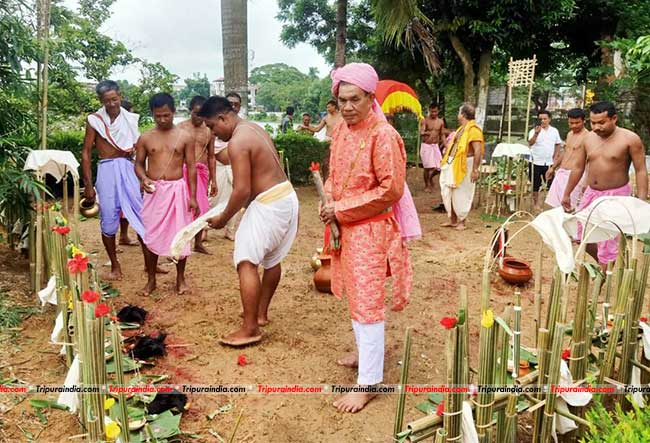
column 101, row 310
column 78, row 264
column 643, row 319
column 241, row 360
column 507, row 187
column 448, row 322
column 315, row 166
column 63, row 230
column 566, row 354
column 90, row 296
column 440, row 409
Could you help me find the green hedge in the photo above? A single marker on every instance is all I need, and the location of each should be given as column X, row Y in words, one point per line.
column 300, row 150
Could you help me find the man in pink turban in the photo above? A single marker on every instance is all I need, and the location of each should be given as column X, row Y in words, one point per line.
column 366, row 182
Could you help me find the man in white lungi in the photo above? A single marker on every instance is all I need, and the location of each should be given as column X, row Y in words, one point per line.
column 459, row 170
column 270, row 223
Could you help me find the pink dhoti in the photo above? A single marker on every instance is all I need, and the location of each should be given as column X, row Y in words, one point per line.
column 202, row 180
column 560, row 181
column 430, row 155
column 608, row 249
column 165, row 212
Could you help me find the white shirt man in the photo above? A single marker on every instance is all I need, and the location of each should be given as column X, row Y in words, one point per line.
column 545, row 142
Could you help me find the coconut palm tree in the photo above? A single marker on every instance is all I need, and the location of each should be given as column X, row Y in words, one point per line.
column 234, row 28
column 341, row 31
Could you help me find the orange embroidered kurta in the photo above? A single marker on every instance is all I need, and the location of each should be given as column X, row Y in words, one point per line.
column 367, row 176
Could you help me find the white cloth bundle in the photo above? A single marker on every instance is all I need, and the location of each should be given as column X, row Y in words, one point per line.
column 48, row 293
column 562, row 424
column 122, row 133
column 71, row 399
column 467, row 425
column 186, row 234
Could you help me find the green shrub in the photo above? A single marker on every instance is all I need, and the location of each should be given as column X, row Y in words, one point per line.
column 71, row 141
column 617, row 426
column 300, row 150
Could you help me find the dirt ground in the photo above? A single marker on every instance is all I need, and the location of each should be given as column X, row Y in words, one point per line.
column 309, row 330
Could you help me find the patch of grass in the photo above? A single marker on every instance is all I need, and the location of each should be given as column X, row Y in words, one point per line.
column 12, row 316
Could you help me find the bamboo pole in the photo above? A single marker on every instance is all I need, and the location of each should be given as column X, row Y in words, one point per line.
column 452, row 419
column 516, row 339
column 538, row 289
column 542, row 365
column 403, row 379
column 39, row 242
column 510, row 107
column 553, row 379
column 530, row 94
column 577, row 364
column 502, row 375
column 119, row 375
column 441, row 436
column 608, row 293
column 45, row 11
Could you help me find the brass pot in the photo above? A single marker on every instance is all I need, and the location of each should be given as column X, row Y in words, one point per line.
column 88, row 210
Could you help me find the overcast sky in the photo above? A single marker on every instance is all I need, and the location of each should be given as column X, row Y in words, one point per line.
column 185, row 36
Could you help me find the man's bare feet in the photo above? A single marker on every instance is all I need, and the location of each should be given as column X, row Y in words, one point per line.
column 149, row 287
column 201, row 249
column 242, row 337
column 350, row 360
column 353, row 401
column 159, row 270
column 427, row 189
column 126, row 241
column 261, row 321
column 448, row 224
column 182, row 287
column 115, row 274
column 460, row 226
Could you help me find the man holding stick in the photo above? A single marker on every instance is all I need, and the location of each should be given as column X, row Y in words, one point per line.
column 367, row 178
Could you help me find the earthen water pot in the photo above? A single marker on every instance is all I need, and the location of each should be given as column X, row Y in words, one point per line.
column 524, row 368
column 515, row 271
column 323, row 277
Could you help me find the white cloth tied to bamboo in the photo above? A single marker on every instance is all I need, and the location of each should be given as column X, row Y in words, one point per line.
column 71, row 399
column 513, row 150
column 606, row 215
column 467, row 424
column 185, row 235
column 52, row 162
column 562, row 425
column 57, row 332
column 635, row 379
column 48, row 293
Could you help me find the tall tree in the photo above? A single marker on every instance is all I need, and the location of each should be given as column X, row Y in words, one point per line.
column 341, row 30
column 234, row 32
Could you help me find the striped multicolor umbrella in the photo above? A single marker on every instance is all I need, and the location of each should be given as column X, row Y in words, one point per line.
column 394, row 96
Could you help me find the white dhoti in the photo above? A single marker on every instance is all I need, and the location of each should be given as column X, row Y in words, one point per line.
column 457, row 197
column 268, row 227
column 370, row 346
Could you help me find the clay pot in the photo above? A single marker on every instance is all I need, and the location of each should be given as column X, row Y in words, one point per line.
column 323, row 277
column 88, row 210
column 524, row 368
column 515, row 271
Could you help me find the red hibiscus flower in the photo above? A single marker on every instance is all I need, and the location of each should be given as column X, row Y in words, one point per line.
column 90, row 296
column 566, row 354
column 101, row 310
column 315, row 166
column 643, row 319
column 241, row 360
column 507, row 187
column 78, row 264
column 448, row 322
column 440, row 409
column 63, row 230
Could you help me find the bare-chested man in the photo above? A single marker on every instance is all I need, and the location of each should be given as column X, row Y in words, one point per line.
column 270, row 223
column 331, row 119
column 608, row 152
column 567, row 161
column 205, row 162
column 432, row 132
column 168, row 206
column 114, row 131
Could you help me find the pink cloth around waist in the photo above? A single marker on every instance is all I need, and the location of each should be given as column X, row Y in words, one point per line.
column 165, row 212
column 560, row 181
column 407, row 216
column 430, row 155
column 608, row 249
column 202, row 180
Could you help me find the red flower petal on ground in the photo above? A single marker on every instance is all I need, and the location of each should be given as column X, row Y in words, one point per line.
column 241, row 360
column 315, row 166
column 101, row 310
column 448, row 322
column 90, row 296
column 77, row 264
column 440, row 409
column 566, row 354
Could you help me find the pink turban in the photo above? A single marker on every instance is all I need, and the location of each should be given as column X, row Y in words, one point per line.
column 359, row 74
